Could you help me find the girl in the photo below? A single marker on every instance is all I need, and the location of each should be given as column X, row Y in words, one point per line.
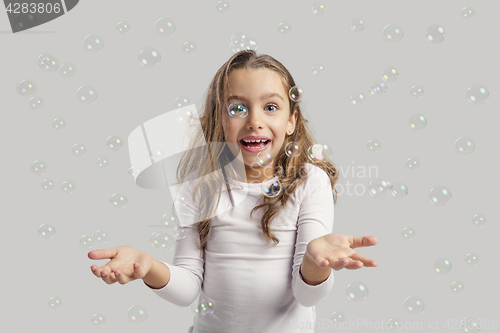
column 255, row 286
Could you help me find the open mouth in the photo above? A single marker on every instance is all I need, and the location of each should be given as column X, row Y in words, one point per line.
column 255, row 145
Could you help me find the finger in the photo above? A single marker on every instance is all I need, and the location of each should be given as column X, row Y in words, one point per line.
column 366, row 261
column 321, row 262
column 103, row 253
column 121, row 278
column 362, row 241
column 339, row 264
column 139, row 271
column 108, row 277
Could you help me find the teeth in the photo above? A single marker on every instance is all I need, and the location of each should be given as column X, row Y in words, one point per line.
column 255, row 140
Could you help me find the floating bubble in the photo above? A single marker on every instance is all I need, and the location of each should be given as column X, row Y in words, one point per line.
column 26, row 87
column 169, row 220
column 162, row 241
column 356, row 291
column 49, row 64
column 284, row 28
column 357, row 25
column 47, row 231
column 48, row 184
column 100, row 237
column 318, row 9
column 414, row 305
column 470, row 325
column 318, row 152
column 93, row 43
column 203, row 307
column 418, row 121
column 23, row 20
column 375, row 190
column 184, row 116
column 118, row 200
column 123, row 27
column 86, row 242
column 394, row 324
column 67, row 70
column 132, row 173
column 442, row 266
column 59, row 124
column 155, row 155
column 222, row 7
column 389, row 74
column 477, row 94
column 165, row 26
column 435, row 33
column 377, row 88
column 457, row 287
column 40, row 58
column 417, row 90
column 114, row 143
column 179, row 233
column 383, row 186
column 439, row 195
column 38, row 167
column 318, row 69
column 237, row 110
column 472, row 259
column 295, row 93
column 479, row 220
column 102, row 163
column 393, row 33
column 179, row 200
column 98, row 320
column 55, row 302
column 467, row 13
column 67, row 186
column 465, row 146
column 181, row 101
column 399, row 190
column 36, row 103
column 408, row 233
column 358, row 99
column 86, row 95
column 373, row 145
column 292, row 149
column 189, row 47
column 412, row 163
column 264, row 159
column 272, row 189
column 241, row 42
column 79, row 150
column 337, row 317
column 137, row 314
column 149, row 57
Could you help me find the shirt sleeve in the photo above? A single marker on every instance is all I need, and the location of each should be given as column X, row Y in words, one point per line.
column 315, row 220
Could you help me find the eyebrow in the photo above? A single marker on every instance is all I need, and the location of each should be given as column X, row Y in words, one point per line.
column 265, row 96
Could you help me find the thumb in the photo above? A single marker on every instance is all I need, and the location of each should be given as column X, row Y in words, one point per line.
column 139, row 270
column 321, row 262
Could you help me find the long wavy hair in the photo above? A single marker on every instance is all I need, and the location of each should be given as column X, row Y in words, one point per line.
column 210, row 157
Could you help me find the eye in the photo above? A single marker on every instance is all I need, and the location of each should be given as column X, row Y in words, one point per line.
column 272, row 105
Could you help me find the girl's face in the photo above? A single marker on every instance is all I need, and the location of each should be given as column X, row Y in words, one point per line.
column 262, row 92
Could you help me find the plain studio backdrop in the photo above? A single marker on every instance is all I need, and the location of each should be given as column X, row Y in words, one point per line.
column 129, row 94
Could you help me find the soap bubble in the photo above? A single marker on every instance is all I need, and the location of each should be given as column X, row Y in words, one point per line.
column 465, row 146
column 123, row 27
column 389, row 74
column 137, row 314
column 59, row 124
column 414, row 305
column 408, row 233
column 118, row 200
column 67, row 186
column 272, row 189
column 477, row 94
column 373, row 145
column 86, row 242
column 479, row 220
column 442, row 266
column 86, row 95
column 165, row 26
column 417, row 91
column 435, row 33
column 412, row 163
column 356, row 291
column 48, row 184
column 114, row 143
column 399, row 190
column 93, row 43
column 393, row 33
column 357, row 25
column 149, row 57
column 377, row 88
column 358, row 99
column 457, row 287
column 472, row 259
column 98, row 320
column 67, row 70
column 284, row 28
column 79, row 150
column 337, row 317
column 418, row 121
column 222, row 7
column 203, row 307
column 36, row 103
column 55, row 302
column 318, row 9
column 467, row 13
column 47, row 231
column 26, row 87
column 38, row 167
column 439, row 195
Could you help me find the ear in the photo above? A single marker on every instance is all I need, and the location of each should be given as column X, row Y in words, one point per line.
column 293, row 120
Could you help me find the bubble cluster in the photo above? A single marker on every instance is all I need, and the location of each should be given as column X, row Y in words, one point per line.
column 412, row 163
column 165, row 26
column 465, row 146
column 393, row 33
column 67, row 70
column 137, row 314
column 79, row 150
column 26, row 87
column 38, row 167
column 435, row 33
column 162, row 241
column 47, row 231
column 149, row 57
column 271, row 190
column 241, row 42
column 457, row 287
column 418, row 121
column 98, row 320
column 357, row 25
column 59, row 124
column 114, row 143
column 203, row 307
column 417, row 90
column 414, row 305
column 479, row 220
column 54, row 302
column 408, row 233
column 93, row 43
column 86, row 95
column 118, row 200
column 442, row 266
column 356, row 291
column 358, row 99
column 477, row 94
column 123, row 27
column 439, row 195
column 67, row 186
column 284, row 28
column 49, row 64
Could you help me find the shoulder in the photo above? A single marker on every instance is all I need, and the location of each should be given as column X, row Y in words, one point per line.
column 316, row 178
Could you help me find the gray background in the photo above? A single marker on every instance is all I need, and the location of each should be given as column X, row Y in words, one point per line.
column 35, row 269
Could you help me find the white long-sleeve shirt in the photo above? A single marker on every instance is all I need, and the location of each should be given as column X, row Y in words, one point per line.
column 256, row 287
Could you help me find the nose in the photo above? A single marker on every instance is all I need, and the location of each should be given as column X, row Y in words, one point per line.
column 254, row 119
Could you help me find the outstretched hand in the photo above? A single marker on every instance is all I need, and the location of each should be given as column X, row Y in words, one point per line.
column 336, row 251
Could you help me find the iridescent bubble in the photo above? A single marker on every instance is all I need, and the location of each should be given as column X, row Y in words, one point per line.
column 374, row 189
column 48, row 184
column 318, row 9
column 477, row 94
column 389, row 74
column 38, row 167
column 123, row 27
column 36, row 103
column 40, row 58
column 137, row 314
column 465, row 146
column 184, row 116
column 356, row 291
column 162, row 241
column 393, row 33
column 357, row 25
column 292, row 149
column 377, row 88
column 399, row 190
column 417, row 90
column 102, row 163
column 179, row 200
column 222, row 7
column 442, row 266
column 132, row 173
column 100, row 237
column 318, row 152
column 203, row 307
column 358, row 99
column 439, row 195
column 79, row 150
column 165, row 26
column 118, row 200
column 408, row 233
column 394, row 324
column 472, row 259
column 467, row 13
column 284, row 28
column 435, row 33
column 237, row 110
column 470, row 325
column 114, row 143
column 49, row 64
column 414, row 305
column 169, row 220
column 55, row 302
column 373, row 145
column 479, row 220
column 418, row 121
column 67, row 186
column 337, row 317
column 86, row 242
column 59, row 124
column 264, row 159
column 295, row 93
column 155, row 155
column 189, row 47
column 26, row 87
column 318, row 69
column 271, row 190
column 67, row 69
column 93, row 43
column 181, row 101
column 98, row 320
column 149, row 57
column 86, row 95
column 412, row 163
column 457, row 287
column 383, row 186
column 179, row 233
column 47, row 231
